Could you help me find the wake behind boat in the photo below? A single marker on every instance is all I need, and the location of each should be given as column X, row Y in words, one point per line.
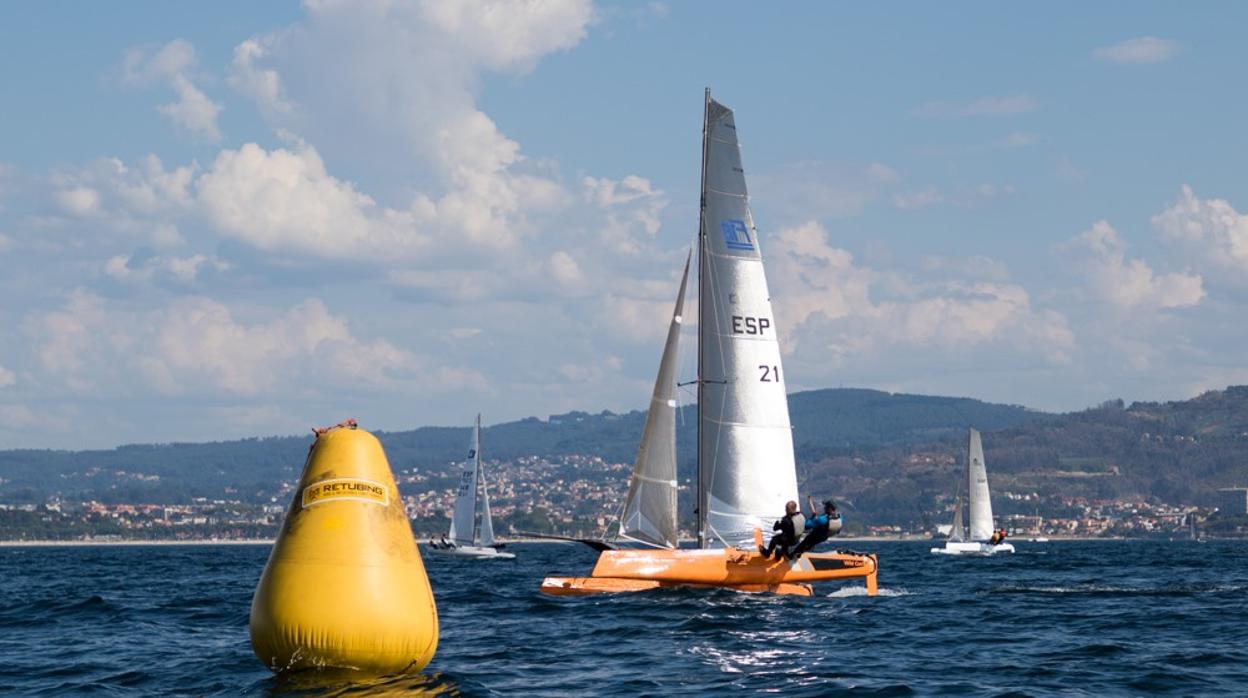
column 746, row 469
column 981, row 536
column 472, row 535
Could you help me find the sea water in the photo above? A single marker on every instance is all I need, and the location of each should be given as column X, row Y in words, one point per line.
column 1061, row 618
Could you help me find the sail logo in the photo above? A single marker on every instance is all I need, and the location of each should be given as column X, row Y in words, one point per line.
column 736, row 235
column 346, row 488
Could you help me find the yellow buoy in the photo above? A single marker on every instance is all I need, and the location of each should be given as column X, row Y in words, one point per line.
column 345, row 586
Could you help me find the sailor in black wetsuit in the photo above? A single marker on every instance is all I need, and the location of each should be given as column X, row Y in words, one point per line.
column 820, row 527
column 788, row 527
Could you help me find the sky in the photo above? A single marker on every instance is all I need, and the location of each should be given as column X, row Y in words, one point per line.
column 223, row 220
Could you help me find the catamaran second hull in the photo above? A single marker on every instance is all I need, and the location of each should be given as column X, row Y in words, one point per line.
column 976, row 549
column 729, row 568
column 479, row 552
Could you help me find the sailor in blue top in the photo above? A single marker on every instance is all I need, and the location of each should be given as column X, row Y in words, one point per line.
column 819, row 527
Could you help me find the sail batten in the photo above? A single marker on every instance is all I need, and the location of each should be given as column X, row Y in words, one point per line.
column 746, row 466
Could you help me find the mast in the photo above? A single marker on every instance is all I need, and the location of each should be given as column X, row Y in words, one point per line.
column 700, row 506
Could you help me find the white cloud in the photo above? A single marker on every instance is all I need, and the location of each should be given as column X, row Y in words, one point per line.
column 7, row 377
column 975, row 267
column 1211, row 229
column 139, row 201
column 404, row 77
column 172, row 64
column 879, row 172
column 592, row 372
column 823, row 189
column 264, row 86
column 1144, row 49
column 79, row 201
column 929, row 196
column 20, row 416
column 988, row 190
column 194, row 111
column 1008, row 105
column 824, row 303
column 143, row 68
column 67, row 338
column 565, row 269
column 180, row 269
column 196, row 345
column 285, row 200
column 1129, row 283
column 632, row 208
column 1018, row 139
column 508, row 36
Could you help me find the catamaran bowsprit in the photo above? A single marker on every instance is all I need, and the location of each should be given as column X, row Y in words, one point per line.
column 468, row 537
column 977, row 542
column 746, row 468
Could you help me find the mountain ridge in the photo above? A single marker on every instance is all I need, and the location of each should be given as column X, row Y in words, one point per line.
column 889, row 454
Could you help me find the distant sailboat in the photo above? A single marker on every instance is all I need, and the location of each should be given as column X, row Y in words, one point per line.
column 467, row 537
column 977, row 542
column 746, row 469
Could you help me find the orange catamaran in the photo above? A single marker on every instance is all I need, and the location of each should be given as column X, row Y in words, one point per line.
column 746, row 469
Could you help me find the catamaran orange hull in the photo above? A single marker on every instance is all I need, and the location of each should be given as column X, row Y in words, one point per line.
column 582, row 586
column 640, row 570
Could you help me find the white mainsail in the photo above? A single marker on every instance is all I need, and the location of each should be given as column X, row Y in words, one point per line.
column 464, row 517
column 746, row 467
column 977, row 490
column 649, row 514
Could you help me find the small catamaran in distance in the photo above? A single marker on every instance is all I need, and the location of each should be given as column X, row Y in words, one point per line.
column 467, row 537
column 746, row 469
column 978, row 542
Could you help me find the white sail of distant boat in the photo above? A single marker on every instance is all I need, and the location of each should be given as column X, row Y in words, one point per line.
column 745, row 444
column 649, row 514
column 980, row 505
column 977, row 490
column 487, row 524
column 464, row 516
column 467, row 537
column 957, row 532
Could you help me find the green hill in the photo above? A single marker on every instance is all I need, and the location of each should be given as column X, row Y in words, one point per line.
column 826, row 423
column 892, row 458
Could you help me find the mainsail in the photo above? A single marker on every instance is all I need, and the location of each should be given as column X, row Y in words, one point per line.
column 464, row 518
column 746, row 469
column 977, row 489
column 650, row 511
